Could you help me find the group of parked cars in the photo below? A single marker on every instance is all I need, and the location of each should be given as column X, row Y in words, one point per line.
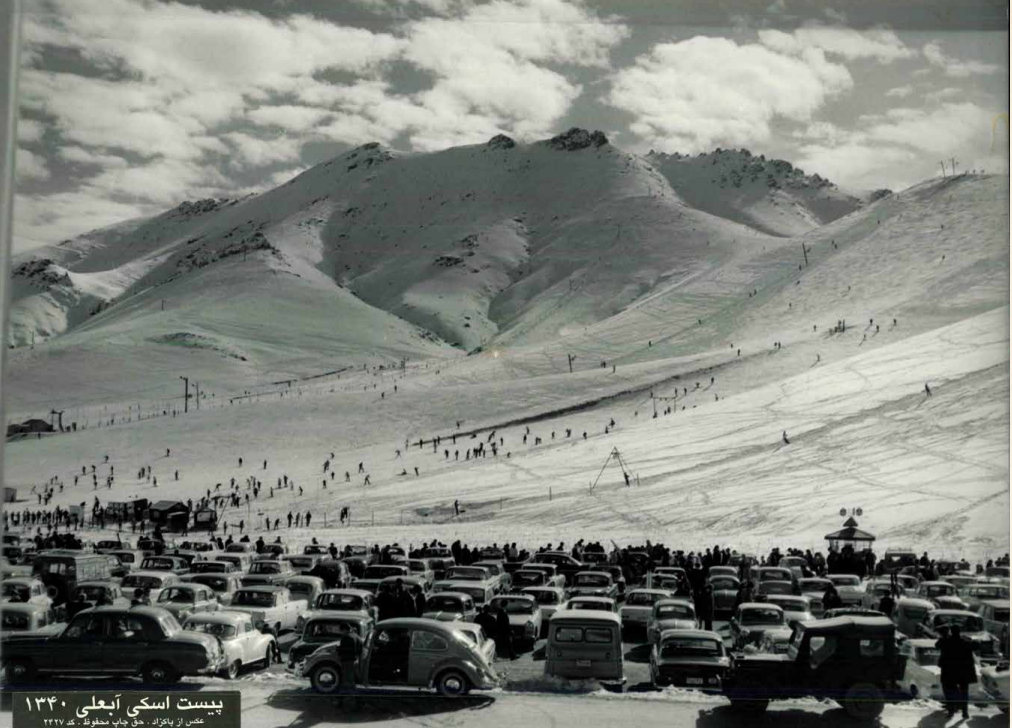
column 213, row 612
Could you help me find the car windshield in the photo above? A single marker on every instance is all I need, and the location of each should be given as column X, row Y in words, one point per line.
column 417, row 566
column 581, row 604
column 89, row 593
column 217, row 583
column 176, row 595
column 325, row 629
column 253, row 599
column 642, row 599
column 775, row 575
column 528, row 577
column 16, row 592
column 939, row 590
column 209, row 567
column 674, row 611
column 686, row 646
column 349, row 602
column 845, row 580
column 156, row 564
column 141, row 582
column 965, row 622
column 776, row 587
column 213, row 628
column 516, row 607
column 441, row 603
column 545, row 597
column 593, row 580
column 762, row 616
column 265, row 567
column 724, row 584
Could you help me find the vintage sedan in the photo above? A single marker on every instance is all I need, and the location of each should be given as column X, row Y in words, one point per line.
column 170, row 564
column 382, row 571
column 725, row 592
column 408, row 652
column 20, row 618
column 689, row 658
column 722, row 571
column 994, row 683
column 769, row 588
column 671, row 614
column 524, row 615
column 213, row 567
column 25, row 589
column 932, row 590
column 875, row 590
column 240, row 560
column 441, row 559
column 774, row 641
column 772, row 573
column 325, row 627
column 422, row 568
column 224, row 586
column 317, row 549
column 923, row 677
column 474, row 632
column 467, row 573
column 109, row 641
column 302, row 563
column 340, row 600
column 849, row 587
column 450, row 607
column 241, row 547
column 551, row 572
column 796, row 608
column 752, row 620
column 639, row 607
column 150, row 582
column 130, row 559
column 524, row 578
column 306, row 587
column 496, row 573
column 797, row 564
column 243, row 644
column 549, row 598
column 974, row 594
column 481, row 592
column 594, row 584
column 814, row 587
column 616, row 576
column 88, row 594
column 187, row 598
column 268, row 572
column 985, row 644
column 597, row 604
column 334, row 573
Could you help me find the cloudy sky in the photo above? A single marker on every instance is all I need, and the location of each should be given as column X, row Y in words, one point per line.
column 129, row 107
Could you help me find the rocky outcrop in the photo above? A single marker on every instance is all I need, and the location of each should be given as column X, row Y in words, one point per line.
column 500, row 141
column 576, row 139
column 39, row 271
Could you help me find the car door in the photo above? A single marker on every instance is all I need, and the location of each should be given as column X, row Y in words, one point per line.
column 129, row 643
column 81, row 648
column 390, row 656
column 427, row 649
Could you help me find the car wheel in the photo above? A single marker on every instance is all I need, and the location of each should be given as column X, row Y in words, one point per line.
column 159, row 673
column 19, row 671
column 751, row 706
column 269, row 655
column 863, row 702
column 232, row 671
column 452, row 684
column 326, row 678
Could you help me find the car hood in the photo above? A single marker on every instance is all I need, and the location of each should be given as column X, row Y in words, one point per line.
column 675, row 624
column 520, row 619
column 443, row 616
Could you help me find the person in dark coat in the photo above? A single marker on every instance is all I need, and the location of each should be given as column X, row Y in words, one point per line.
column 958, row 670
column 348, row 652
column 405, row 603
column 503, row 633
column 419, row 598
column 886, row 605
column 385, row 605
column 486, row 621
column 831, row 599
column 704, row 607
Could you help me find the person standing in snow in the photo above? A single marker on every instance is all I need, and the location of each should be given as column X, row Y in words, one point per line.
column 456, row 507
column 927, row 389
column 786, row 441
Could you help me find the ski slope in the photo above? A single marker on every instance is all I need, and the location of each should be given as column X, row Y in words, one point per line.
column 288, row 354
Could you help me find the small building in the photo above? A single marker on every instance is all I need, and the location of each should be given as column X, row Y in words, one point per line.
column 170, row 515
column 10, row 494
column 133, row 510
column 28, row 427
column 850, row 535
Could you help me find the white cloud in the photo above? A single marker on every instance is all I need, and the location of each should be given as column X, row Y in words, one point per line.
column 685, row 99
column 955, row 67
column 57, row 216
column 882, row 45
column 81, row 155
column 293, row 118
column 30, row 130
column 251, row 151
column 900, row 92
column 943, row 93
column 279, row 178
column 30, row 166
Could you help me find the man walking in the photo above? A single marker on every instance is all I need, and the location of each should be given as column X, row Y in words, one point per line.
column 348, row 652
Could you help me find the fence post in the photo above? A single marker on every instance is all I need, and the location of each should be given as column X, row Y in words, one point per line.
column 549, row 494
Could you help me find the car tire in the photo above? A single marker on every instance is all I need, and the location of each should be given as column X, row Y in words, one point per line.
column 159, row 673
column 750, row 706
column 863, row 702
column 269, row 655
column 19, row 671
column 232, row 671
column 326, row 678
column 452, row 684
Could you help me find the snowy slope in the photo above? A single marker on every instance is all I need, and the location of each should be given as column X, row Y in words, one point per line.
column 769, row 195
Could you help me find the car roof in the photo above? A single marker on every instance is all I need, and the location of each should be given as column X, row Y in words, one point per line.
column 353, row 592
column 960, row 612
column 263, row 587
column 674, row 600
column 553, row 589
column 335, row 614
column 586, row 615
column 663, row 592
column 90, row 582
column 861, row 625
column 759, row 605
column 154, row 612
column 914, row 601
column 159, row 574
column 457, row 595
column 471, row 584
column 935, row 582
column 525, row 597
column 18, row 579
column 222, row 615
column 590, row 598
column 697, row 633
column 304, row 578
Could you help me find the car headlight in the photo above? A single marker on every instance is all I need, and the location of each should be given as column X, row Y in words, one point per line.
column 529, row 627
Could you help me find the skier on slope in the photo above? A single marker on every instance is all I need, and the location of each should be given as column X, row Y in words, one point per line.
column 786, row 441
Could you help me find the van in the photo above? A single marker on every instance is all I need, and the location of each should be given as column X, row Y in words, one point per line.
column 584, row 644
column 61, row 569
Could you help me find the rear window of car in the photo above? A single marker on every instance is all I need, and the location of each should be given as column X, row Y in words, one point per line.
column 594, row 635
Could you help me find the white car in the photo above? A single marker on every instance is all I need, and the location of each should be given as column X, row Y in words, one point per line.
column 475, row 633
column 639, row 607
column 151, row 581
column 994, row 683
column 524, row 615
column 923, row 676
column 549, row 598
column 850, row 589
column 243, row 644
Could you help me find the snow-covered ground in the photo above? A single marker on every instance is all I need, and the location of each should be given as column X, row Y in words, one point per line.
column 628, row 274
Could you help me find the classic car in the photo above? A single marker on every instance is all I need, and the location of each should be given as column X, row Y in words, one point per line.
column 422, row 568
column 341, row 600
column 272, row 605
column 782, row 588
column 25, row 589
column 676, row 571
column 450, row 607
column 316, row 549
column 492, row 553
column 150, row 582
column 638, row 607
column 479, row 591
column 909, row 613
column 527, row 578
column 408, row 652
column 241, row 547
column 616, row 576
column 932, row 590
column 357, row 559
column 994, row 612
column 334, row 573
column 275, row 550
column 324, row 627
column 301, row 563
column 213, row 567
column 875, row 590
column 597, row 604
column 496, row 573
column 524, row 615
column 549, row 599
column 242, row 643
column 551, row 572
column 441, row 559
column 187, row 598
column 722, row 571
column 994, row 683
column 772, row 573
column 467, row 573
column 240, row 560
column 594, row 584
column 1001, row 573
column 565, row 564
column 369, row 585
column 774, row 641
column 88, row 594
column 23, row 617
column 306, row 587
column 104, row 641
column 106, row 546
column 985, row 644
column 131, row 559
column 751, row 620
column 814, row 587
column 796, row 608
column 382, row 571
column 689, row 658
column 725, row 592
column 849, row 587
column 670, row 614
column 896, row 559
column 272, row 572
column 224, row 586
column 974, row 594
column 476, row 634
column 170, row 564
column 797, row 564
column 409, row 583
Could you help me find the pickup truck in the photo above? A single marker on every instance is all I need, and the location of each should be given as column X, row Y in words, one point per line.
column 271, row 605
column 852, row 660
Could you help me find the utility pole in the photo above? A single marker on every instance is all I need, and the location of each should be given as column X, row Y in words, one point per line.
column 805, row 251
column 186, row 396
column 943, row 169
column 571, row 358
column 197, row 386
column 952, row 160
column 163, row 304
